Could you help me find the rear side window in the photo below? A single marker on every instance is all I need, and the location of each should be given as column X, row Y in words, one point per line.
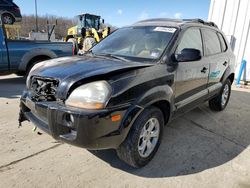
column 212, row 42
column 223, row 42
column 190, row 39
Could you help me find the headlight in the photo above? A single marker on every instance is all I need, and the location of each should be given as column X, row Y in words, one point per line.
column 94, row 95
column 37, row 65
column 29, row 75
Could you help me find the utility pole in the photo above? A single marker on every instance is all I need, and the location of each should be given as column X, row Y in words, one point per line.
column 36, row 16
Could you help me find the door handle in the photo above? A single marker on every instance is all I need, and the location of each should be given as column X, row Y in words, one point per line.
column 225, row 63
column 204, row 70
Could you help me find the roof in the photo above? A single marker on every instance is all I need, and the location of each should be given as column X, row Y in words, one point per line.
column 173, row 22
column 87, row 14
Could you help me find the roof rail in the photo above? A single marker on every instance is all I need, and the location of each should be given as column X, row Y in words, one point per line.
column 160, row 19
column 212, row 24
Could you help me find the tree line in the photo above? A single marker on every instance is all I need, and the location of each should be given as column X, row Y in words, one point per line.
column 28, row 24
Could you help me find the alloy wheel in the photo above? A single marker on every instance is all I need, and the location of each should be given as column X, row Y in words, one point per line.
column 225, row 94
column 149, row 137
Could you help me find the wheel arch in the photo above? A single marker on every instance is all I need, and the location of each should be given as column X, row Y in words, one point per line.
column 160, row 97
column 30, row 57
column 37, row 58
column 9, row 13
column 228, row 74
column 231, row 77
column 165, row 108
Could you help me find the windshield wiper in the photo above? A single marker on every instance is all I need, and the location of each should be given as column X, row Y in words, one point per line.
column 113, row 56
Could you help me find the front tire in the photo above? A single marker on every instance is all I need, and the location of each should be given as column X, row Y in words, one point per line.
column 143, row 139
column 220, row 102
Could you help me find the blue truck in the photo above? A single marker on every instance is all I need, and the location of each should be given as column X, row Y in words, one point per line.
column 19, row 56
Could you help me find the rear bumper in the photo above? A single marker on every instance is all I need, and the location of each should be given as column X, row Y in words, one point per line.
column 88, row 129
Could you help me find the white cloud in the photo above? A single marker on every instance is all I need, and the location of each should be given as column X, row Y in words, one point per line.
column 163, row 14
column 144, row 15
column 178, row 15
column 119, row 11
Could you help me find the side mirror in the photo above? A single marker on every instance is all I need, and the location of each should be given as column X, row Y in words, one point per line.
column 188, row 54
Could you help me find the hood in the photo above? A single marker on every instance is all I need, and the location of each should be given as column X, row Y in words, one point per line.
column 69, row 70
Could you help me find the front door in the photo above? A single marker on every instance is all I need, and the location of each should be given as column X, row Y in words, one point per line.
column 191, row 77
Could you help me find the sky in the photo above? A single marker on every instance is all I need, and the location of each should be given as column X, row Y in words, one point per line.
column 119, row 13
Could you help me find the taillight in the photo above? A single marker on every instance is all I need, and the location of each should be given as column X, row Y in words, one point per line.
column 17, row 9
column 73, row 50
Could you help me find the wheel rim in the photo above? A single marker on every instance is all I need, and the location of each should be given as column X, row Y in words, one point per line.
column 225, row 94
column 7, row 19
column 149, row 137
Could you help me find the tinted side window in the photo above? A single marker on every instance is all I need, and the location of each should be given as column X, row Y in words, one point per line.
column 190, row 39
column 223, row 43
column 212, row 42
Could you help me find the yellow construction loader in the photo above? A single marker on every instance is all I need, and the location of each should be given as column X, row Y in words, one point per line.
column 88, row 31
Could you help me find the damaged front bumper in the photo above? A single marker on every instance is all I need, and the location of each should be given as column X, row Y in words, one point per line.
column 91, row 129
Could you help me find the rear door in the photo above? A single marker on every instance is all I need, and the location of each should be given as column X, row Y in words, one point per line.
column 215, row 49
column 192, row 76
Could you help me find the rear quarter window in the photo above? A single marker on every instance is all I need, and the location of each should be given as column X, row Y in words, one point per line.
column 212, row 42
column 223, row 43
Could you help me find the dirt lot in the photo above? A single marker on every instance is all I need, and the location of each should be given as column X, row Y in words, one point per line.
column 199, row 149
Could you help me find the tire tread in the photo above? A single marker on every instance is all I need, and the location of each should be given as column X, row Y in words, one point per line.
column 215, row 103
column 127, row 151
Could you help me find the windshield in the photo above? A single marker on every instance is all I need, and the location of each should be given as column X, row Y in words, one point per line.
column 89, row 21
column 92, row 22
column 136, row 42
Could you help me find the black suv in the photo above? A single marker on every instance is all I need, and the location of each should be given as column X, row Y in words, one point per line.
column 10, row 12
column 122, row 92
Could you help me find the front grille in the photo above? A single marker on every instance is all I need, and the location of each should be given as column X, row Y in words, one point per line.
column 43, row 89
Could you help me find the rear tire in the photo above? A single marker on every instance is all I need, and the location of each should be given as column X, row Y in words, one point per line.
column 143, row 139
column 220, row 102
column 8, row 19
